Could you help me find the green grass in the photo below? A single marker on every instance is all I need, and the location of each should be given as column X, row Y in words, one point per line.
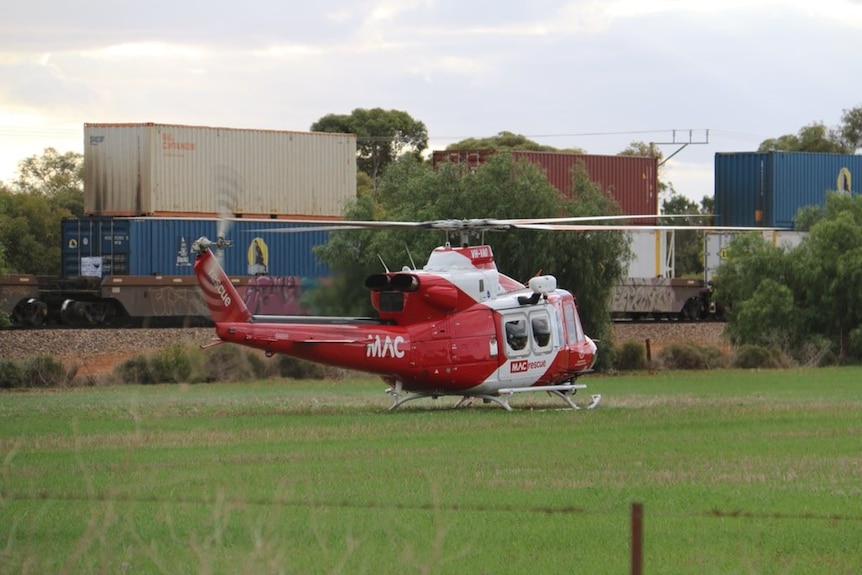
column 739, row 472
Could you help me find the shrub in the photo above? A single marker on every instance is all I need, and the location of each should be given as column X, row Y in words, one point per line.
column 226, row 363
column 757, row 357
column 298, row 369
column 259, row 367
column 690, row 356
column 815, row 351
column 44, row 371
column 854, row 345
column 170, row 365
column 135, row 370
column 631, row 356
column 11, row 375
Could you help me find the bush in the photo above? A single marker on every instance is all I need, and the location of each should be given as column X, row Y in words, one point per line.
column 293, row 368
column 170, row 365
column 11, row 375
column 135, row 370
column 815, row 351
column 45, row 371
column 758, row 357
column 227, row 363
column 222, row 363
column 259, row 367
column 854, row 345
column 690, row 356
column 631, row 356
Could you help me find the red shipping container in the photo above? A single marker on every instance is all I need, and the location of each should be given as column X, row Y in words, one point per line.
column 631, row 180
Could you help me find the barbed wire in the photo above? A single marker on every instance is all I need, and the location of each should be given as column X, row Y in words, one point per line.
column 475, row 507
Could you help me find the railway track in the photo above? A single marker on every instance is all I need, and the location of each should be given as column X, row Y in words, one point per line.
column 72, row 344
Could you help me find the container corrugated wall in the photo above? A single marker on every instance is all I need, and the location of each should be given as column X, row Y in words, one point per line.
column 153, row 169
column 769, row 188
column 649, row 254
column 631, row 180
column 162, row 246
column 94, row 246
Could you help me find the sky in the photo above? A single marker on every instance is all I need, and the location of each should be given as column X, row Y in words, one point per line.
column 720, row 75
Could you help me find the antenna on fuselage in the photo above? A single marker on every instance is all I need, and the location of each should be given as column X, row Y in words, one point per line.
column 385, row 267
column 409, row 255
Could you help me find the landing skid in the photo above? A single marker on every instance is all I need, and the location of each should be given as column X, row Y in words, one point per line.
column 564, row 392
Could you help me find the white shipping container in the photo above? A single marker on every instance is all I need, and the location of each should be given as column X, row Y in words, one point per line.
column 651, row 258
column 717, row 244
column 160, row 169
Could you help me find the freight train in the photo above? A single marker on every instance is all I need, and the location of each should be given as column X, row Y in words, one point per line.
column 137, row 271
column 129, row 261
column 120, row 270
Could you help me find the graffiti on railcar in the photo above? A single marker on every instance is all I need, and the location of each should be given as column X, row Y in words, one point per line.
column 643, row 295
column 172, row 301
column 272, row 295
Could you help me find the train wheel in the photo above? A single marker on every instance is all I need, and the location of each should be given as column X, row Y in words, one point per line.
column 99, row 313
column 86, row 313
column 30, row 313
column 691, row 311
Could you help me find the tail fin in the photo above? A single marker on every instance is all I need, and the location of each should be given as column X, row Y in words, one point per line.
column 222, row 299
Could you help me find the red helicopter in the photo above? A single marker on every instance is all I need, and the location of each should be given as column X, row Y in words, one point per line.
column 456, row 327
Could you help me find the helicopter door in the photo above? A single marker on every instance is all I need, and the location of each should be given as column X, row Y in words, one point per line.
column 528, row 339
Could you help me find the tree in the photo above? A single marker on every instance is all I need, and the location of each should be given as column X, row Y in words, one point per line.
column 750, row 262
column 822, row 276
column 4, row 266
column 814, row 137
column 587, row 264
column 381, row 136
column 508, row 141
column 851, row 128
column 48, row 188
column 30, row 233
column 58, row 177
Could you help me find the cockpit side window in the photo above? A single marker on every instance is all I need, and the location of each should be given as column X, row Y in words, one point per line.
column 571, row 331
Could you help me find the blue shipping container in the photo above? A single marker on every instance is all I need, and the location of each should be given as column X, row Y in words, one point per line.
column 768, row 188
column 162, row 246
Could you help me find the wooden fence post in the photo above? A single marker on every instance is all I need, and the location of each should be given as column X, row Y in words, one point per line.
column 637, row 538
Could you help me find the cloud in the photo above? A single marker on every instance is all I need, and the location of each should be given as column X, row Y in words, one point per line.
column 464, row 68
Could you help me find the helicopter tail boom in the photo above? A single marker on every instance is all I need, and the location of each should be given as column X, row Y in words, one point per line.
column 220, row 295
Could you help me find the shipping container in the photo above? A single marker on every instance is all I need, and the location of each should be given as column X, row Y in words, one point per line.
column 160, row 169
column 120, row 246
column 717, row 246
column 768, row 188
column 631, row 180
column 652, row 254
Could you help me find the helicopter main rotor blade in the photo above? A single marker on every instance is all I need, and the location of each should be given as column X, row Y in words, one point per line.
column 636, row 228
column 573, row 223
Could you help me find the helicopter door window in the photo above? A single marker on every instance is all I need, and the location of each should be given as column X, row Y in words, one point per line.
column 541, row 326
column 516, row 335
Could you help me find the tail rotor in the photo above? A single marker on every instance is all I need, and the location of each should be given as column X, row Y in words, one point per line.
column 228, row 188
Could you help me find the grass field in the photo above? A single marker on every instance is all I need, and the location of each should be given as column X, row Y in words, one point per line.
column 738, row 472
